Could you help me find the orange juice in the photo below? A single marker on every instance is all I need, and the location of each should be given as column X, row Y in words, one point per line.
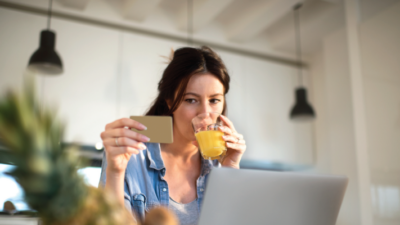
column 211, row 144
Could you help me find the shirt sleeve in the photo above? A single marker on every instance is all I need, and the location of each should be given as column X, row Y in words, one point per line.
column 127, row 199
column 102, row 183
column 216, row 163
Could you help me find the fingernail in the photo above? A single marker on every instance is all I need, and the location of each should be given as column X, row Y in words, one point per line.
column 224, row 137
column 146, row 138
column 144, row 127
column 142, row 146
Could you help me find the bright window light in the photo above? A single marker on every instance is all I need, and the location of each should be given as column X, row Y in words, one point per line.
column 10, row 190
column 91, row 175
column 99, row 145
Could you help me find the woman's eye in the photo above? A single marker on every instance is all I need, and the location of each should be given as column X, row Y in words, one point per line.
column 190, row 100
column 215, row 100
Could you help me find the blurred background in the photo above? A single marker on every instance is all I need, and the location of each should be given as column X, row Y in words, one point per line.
column 113, row 54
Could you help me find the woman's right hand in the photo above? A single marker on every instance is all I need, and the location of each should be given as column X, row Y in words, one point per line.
column 120, row 142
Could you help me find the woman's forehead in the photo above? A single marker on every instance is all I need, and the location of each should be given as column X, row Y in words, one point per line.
column 200, row 83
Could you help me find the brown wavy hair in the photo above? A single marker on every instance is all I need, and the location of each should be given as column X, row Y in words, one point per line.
column 185, row 63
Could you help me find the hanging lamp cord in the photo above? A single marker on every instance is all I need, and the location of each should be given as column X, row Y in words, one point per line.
column 298, row 40
column 49, row 14
column 190, row 22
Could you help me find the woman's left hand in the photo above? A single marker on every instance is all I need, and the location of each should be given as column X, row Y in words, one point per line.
column 235, row 144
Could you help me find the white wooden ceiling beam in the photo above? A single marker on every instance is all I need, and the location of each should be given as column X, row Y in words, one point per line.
column 75, row 4
column 138, row 9
column 257, row 18
column 202, row 14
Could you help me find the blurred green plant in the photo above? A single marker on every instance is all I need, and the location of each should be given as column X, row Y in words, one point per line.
column 46, row 169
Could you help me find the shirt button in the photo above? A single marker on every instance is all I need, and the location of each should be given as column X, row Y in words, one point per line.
column 201, row 189
column 164, row 189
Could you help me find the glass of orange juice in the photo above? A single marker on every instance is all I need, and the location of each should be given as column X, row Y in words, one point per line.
column 209, row 137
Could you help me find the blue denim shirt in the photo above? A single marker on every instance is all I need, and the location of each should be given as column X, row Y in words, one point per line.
column 145, row 186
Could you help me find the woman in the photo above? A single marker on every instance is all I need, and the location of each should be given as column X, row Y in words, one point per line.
column 143, row 175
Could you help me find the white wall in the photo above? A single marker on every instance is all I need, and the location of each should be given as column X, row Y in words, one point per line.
column 334, row 131
column 111, row 74
column 380, row 52
column 335, row 146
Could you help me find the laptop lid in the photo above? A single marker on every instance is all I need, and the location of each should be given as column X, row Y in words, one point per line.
column 239, row 197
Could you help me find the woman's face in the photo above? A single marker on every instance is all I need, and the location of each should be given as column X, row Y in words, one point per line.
column 204, row 93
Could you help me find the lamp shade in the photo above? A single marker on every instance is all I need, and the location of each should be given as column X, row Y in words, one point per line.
column 302, row 110
column 46, row 60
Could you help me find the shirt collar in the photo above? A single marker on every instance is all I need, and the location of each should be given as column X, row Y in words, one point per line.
column 157, row 163
column 154, row 155
column 206, row 166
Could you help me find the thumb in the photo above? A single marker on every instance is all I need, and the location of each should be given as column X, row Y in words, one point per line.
column 195, row 143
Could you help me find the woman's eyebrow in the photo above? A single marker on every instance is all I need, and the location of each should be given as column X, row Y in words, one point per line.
column 190, row 93
column 216, row 94
column 197, row 95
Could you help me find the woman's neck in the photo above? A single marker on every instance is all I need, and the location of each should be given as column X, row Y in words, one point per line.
column 181, row 148
column 185, row 151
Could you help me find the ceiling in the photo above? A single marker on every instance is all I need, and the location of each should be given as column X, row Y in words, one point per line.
column 241, row 22
column 256, row 25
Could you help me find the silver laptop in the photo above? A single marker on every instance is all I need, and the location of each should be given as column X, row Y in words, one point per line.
column 241, row 197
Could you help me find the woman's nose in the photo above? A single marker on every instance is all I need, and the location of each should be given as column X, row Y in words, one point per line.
column 204, row 107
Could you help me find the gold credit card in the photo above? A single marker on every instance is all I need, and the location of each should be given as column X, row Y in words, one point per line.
column 159, row 128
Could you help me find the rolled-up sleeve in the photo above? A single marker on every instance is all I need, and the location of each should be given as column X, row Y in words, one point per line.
column 102, row 183
column 127, row 198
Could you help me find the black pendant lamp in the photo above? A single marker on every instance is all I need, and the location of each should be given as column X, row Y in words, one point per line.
column 302, row 110
column 45, row 60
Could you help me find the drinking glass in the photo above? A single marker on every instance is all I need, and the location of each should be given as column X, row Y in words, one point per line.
column 209, row 137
